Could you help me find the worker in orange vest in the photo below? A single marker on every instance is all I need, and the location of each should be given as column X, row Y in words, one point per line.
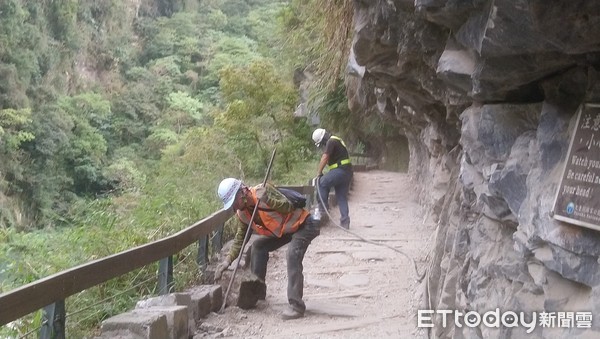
column 278, row 223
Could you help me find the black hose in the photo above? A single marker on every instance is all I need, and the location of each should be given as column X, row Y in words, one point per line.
column 419, row 276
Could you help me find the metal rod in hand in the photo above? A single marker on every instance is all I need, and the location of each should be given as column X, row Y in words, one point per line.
column 247, row 236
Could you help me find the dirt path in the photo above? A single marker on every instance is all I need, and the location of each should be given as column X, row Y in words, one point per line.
column 352, row 289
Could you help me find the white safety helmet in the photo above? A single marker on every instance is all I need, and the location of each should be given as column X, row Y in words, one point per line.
column 227, row 191
column 318, row 135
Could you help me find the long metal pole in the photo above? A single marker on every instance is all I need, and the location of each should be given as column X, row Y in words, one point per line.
column 247, row 236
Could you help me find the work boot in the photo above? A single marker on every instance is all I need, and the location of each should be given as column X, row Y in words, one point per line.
column 291, row 313
column 346, row 225
column 261, row 289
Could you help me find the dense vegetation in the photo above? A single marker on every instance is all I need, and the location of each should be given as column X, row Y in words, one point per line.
column 119, row 118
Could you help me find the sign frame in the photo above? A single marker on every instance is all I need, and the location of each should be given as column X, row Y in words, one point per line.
column 580, row 112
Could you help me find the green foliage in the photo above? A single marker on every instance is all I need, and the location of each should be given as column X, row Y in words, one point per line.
column 322, row 30
column 183, row 111
column 179, row 35
column 44, row 174
column 99, row 233
column 86, row 152
column 67, row 155
column 159, row 139
column 125, row 175
column 138, row 106
column 12, row 89
column 334, row 111
column 91, row 109
column 181, row 101
column 62, row 16
column 261, row 27
column 233, row 8
column 317, row 41
column 12, row 132
column 259, row 115
column 169, row 83
column 184, row 189
column 216, row 19
column 17, row 64
column 230, row 51
column 136, row 121
column 363, row 133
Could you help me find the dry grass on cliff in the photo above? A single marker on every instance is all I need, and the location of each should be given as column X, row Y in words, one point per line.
column 337, row 24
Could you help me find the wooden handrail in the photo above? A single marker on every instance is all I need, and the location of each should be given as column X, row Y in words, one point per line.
column 40, row 293
column 34, row 296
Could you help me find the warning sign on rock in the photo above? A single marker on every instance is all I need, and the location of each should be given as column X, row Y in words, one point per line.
column 578, row 197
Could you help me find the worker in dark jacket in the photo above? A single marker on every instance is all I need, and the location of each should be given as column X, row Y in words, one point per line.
column 335, row 157
column 277, row 222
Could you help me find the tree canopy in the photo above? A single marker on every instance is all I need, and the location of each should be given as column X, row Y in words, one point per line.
column 119, row 118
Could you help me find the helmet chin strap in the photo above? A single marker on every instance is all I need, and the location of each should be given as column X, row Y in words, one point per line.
column 324, row 141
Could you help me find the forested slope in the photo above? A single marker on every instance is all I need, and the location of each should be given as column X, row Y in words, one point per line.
column 94, row 91
column 119, row 118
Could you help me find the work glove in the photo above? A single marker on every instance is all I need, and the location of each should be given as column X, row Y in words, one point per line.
column 261, row 194
column 221, row 268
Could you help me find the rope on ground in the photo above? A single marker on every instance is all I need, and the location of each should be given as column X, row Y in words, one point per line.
column 419, row 277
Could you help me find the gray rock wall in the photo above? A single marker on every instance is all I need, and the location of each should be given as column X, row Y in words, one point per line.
column 486, row 92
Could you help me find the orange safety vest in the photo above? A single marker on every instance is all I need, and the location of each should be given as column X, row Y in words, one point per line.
column 275, row 223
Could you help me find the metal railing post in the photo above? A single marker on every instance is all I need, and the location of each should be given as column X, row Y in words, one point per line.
column 165, row 276
column 205, row 245
column 217, row 243
column 53, row 321
column 202, row 258
column 309, row 197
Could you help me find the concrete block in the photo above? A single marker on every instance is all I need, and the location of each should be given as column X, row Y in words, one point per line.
column 124, row 334
column 138, row 325
column 245, row 291
column 173, row 299
column 215, row 293
column 177, row 319
column 251, row 290
column 201, row 303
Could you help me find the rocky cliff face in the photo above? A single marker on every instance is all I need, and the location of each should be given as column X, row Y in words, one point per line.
column 486, row 93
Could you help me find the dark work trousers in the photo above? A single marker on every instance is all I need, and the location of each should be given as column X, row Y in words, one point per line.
column 299, row 242
column 338, row 178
